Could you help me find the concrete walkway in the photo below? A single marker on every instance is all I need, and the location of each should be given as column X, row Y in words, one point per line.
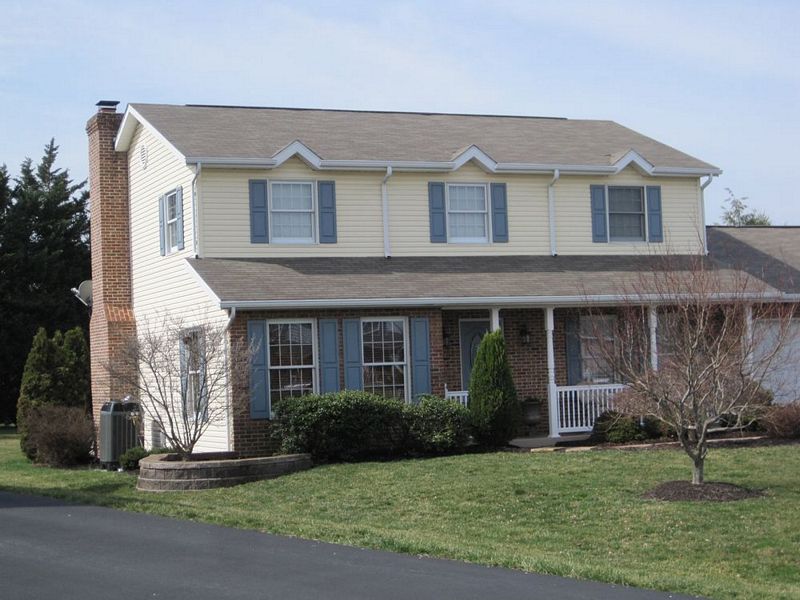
column 49, row 549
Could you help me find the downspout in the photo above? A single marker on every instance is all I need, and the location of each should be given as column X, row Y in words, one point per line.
column 703, row 210
column 195, row 202
column 228, row 402
column 551, row 211
column 387, row 242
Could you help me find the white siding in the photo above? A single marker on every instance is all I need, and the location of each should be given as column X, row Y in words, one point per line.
column 163, row 285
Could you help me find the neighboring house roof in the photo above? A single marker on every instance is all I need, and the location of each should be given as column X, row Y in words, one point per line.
column 771, row 254
column 434, row 281
column 346, row 139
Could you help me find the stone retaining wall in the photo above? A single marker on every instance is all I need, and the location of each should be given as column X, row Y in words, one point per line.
column 160, row 473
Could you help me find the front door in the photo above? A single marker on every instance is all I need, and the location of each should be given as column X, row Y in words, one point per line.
column 471, row 334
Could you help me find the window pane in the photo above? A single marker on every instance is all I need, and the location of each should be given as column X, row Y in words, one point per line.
column 626, row 226
column 467, row 225
column 292, row 196
column 386, row 381
column 284, row 383
column 172, row 207
column 472, row 197
column 290, row 345
column 625, row 200
column 384, row 358
column 172, row 234
column 292, row 225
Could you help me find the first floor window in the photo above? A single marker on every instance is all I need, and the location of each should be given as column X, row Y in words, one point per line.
column 193, row 375
column 597, row 340
column 292, row 212
column 384, row 355
column 626, row 214
column 467, row 213
column 291, row 359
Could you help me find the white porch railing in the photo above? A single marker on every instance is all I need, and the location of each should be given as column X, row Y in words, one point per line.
column 460, row 396
column 580, row 405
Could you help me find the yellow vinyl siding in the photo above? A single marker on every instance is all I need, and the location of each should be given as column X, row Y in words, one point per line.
column 163, row 285
column 225, row 213
column 680, row 209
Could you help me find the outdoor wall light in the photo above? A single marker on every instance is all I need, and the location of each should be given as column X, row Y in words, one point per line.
column 525, row 334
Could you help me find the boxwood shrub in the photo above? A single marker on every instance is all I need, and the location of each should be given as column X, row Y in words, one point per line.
column 437, row 426
column 618, row 428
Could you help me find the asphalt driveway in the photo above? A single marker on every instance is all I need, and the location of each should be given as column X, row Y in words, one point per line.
column 50, row 549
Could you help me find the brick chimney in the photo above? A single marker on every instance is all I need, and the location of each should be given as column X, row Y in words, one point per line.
column 112, row 323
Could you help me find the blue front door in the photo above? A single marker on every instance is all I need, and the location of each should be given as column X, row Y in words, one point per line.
column 471, row 334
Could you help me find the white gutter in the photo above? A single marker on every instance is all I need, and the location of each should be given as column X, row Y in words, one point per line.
column 551, row 211
column 195, row 202
column 488, row 302
column 703, row 209
column 387, row 242
column 231, row 317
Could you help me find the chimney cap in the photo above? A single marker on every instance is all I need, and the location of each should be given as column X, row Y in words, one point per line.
column 107, row 105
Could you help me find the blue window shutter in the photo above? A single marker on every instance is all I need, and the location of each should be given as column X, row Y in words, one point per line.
column 438, row 212
column 499, row 212
column 259, row 371
column 259, row 212
column 599, row 229
column 326, row 196
column 353, row 379
column 573, row 339
column 420, row 357
column 329, row 355
column 179, row 209
column 162, row 232
column 655, row 224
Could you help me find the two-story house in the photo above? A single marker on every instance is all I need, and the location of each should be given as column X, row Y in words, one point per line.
column 372, row 250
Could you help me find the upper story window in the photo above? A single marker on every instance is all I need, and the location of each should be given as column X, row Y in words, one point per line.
column 467, row 213
column 292, row 212
column 626, row 214
column 170, row 217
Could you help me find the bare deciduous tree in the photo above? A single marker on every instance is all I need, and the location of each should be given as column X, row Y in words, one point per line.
column 710, row 360
column 181, row 376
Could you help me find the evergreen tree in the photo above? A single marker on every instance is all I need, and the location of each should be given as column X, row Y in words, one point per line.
column 44, row 252
column 492, row 396
column 74, row 370
column 40, row 383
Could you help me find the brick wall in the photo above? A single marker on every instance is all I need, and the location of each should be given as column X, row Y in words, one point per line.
column 112, row 323
column 251, row 437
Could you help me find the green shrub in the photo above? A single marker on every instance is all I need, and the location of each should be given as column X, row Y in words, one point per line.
column 437, row 426
column 783, row 420
column 348, row 425
column 61, row 436
column 493, row 401
column 618, row 428
column 129, row 460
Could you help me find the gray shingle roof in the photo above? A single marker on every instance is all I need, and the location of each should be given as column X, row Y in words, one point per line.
column 260, row 133
column 367, row 279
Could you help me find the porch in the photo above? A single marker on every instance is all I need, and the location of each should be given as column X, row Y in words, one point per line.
column 543, row 346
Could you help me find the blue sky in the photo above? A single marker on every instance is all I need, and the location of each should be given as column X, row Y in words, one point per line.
column 719, row 80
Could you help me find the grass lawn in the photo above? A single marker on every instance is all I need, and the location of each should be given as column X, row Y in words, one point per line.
column 576, row 514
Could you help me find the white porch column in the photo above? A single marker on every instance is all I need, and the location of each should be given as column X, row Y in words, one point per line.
column 552, row 391
column 495, row 319
column 652, row 315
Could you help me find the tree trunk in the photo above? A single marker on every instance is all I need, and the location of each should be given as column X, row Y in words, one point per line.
column 697, row 472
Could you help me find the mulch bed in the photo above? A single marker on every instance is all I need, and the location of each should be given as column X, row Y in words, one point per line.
column 709, row 492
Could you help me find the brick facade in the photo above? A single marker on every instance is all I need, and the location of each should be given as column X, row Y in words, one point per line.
column 112, row 323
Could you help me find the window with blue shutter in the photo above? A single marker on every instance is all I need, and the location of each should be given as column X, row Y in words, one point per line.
column 655, row 224
column 573, row 350
column 420, row 357
column 179, row 218
column 438, row 212
column 326, row 192
column 499, row 212
column 329, row 355
column 259, row 380
column 353, row 379
column 259, row 212
column 598, row 205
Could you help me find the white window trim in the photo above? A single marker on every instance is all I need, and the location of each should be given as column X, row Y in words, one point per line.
column 171, row 245
column 314, row 239
column 315, row 362
column 487, row 212
column 185, row 333
column 406, row 351
column 612, row 318
column 646, row 239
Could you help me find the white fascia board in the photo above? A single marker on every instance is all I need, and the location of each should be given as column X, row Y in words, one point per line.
column 128, row 127
column 202, row 283
column 486, row 162
column 299, row 149
column 684, row 172
column 487, row 302
column 632, row 157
